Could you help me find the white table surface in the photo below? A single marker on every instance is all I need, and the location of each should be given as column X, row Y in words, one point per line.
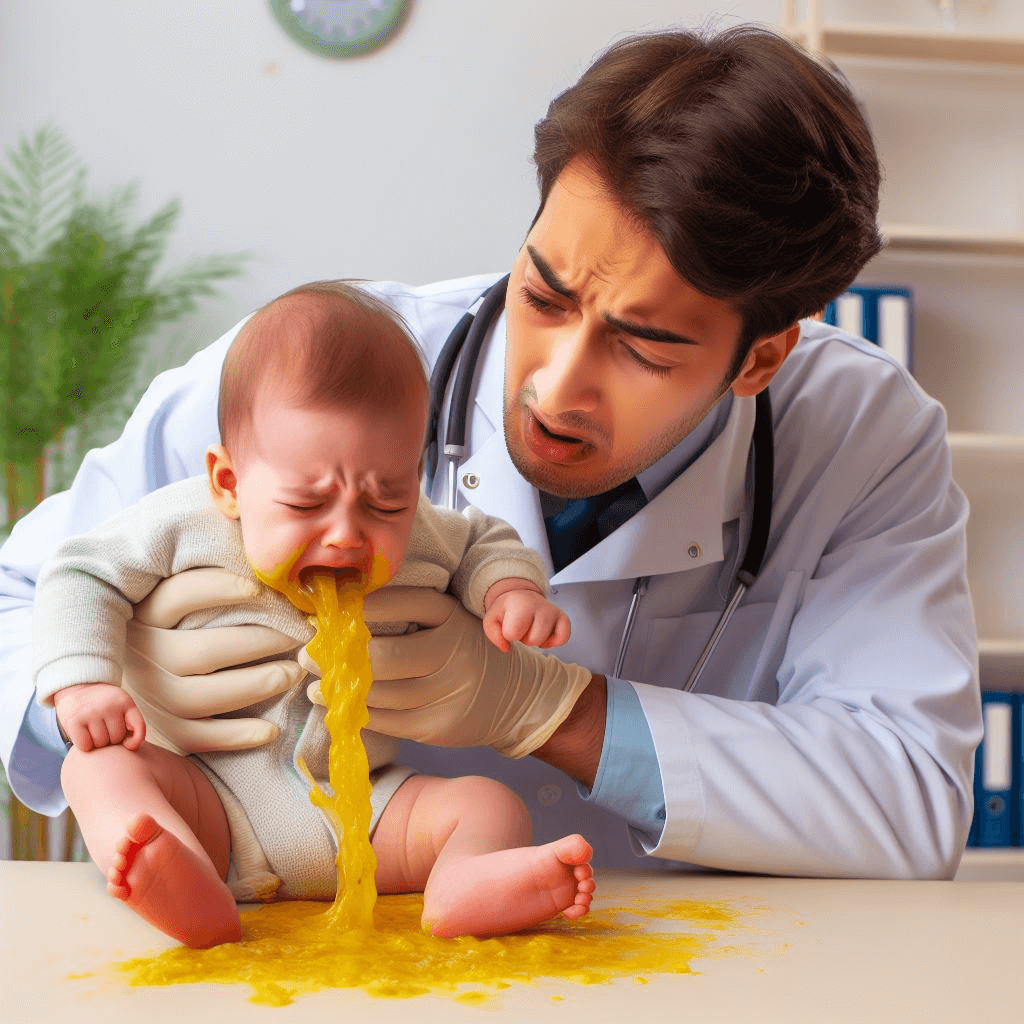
column 817, row 951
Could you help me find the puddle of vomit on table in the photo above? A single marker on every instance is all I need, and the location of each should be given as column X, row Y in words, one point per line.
column 290, row 949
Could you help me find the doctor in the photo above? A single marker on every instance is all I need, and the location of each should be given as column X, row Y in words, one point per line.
column 699, row 196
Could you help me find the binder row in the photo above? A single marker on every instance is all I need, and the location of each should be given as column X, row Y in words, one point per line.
column 878, row 313
column 998, row 772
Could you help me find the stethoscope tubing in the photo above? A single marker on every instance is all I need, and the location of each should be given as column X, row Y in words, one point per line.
column 468, row 338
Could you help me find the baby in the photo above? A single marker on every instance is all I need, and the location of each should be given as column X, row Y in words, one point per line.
column 323, row 406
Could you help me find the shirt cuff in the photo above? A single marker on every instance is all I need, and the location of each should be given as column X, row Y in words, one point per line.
column 41, row 728
column 628, row 781
column 34, row 769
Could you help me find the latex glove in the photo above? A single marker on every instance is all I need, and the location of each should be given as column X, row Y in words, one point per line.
column 179, row 678
column 448, row 686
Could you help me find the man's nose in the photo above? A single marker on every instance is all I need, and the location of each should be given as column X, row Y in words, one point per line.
column 569, row 379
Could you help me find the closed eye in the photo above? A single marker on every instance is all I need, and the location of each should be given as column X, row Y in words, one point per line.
column 533, row 299
column 645, row 364
column 389, row 511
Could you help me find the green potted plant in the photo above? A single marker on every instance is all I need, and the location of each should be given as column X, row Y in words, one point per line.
column 81, row 295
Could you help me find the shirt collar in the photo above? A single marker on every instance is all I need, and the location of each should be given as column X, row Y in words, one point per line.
column 654, row 479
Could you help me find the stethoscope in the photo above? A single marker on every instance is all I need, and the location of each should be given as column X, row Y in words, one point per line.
column 468, row 338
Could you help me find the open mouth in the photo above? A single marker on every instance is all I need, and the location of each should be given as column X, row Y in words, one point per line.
column 551, row 446
column 338, row 573
column 563, row 438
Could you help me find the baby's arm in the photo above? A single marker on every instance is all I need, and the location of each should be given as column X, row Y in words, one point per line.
column 95, row 715
column 515, row 609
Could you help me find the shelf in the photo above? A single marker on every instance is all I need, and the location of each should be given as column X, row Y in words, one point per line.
column 974, row 445
column 896, row 42
column 992, row 864
column 923, row 238
column 1002, row 664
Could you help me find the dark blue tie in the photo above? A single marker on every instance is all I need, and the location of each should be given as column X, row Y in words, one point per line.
column 584, row 522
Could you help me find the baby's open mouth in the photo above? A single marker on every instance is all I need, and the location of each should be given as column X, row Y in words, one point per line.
column 338, row 573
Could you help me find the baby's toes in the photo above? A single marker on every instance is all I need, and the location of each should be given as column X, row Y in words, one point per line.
column 583, row 872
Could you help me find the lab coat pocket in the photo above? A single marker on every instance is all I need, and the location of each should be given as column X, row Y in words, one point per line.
column 748, row 655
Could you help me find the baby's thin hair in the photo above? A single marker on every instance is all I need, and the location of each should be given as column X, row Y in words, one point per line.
column 323, row 345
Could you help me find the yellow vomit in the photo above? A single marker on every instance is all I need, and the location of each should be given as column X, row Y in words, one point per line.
column 286, row 952
column 291, row 949
column 340, row 648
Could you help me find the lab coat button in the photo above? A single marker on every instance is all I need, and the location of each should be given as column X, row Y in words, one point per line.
column 694, row 551
column 548, row 795
column 470, row 481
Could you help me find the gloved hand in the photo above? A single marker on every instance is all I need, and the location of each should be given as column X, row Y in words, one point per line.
column 447, row 685
column 180, row 677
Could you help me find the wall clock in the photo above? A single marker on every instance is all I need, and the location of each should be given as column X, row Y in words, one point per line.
column 340, row 28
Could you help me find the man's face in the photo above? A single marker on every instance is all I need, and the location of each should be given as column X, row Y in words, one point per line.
column 339, row 487
column 612, row 358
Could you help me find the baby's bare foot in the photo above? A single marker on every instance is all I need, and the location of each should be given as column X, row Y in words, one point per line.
column 506, row 891
column 164, row 882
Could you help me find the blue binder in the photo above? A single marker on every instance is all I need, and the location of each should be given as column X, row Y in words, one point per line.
column 878, row 313
column 997, row 771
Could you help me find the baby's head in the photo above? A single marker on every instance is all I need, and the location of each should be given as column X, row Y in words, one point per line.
column 323, row 404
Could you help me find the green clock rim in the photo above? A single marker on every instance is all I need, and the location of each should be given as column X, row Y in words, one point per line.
column 341, row 47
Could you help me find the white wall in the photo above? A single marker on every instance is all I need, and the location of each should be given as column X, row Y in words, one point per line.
column 411, row 163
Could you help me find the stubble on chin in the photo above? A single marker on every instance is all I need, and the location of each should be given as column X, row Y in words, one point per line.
column 573, row 482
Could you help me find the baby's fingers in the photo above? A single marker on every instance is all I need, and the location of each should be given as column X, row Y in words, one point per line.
column 99, row 735
column 135, row 726
column 517, row 624
column 559, row 633
column 494, row 631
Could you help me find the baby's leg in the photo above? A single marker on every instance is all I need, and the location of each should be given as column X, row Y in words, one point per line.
column 465, row 843
column 155, row 826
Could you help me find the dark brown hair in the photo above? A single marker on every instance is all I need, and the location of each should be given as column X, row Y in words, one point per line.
column 327, row 344
column 750, row 163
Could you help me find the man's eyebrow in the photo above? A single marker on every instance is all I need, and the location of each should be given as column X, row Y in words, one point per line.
column 555, row 283
column 643, row 331
column 551, row 279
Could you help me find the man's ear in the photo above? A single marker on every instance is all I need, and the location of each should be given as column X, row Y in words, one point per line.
column 223, row 484
column 763, row 361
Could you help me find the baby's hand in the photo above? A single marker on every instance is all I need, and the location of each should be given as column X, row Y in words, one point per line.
column 95, row 715
column 524, row 614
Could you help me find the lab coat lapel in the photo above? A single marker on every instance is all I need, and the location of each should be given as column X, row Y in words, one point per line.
column 487, row 478
column 681, row 528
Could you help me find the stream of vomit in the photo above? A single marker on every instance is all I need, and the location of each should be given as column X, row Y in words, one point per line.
column 291, row 949
column 340, row 648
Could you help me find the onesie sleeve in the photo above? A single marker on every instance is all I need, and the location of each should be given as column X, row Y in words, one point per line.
column 87, row 588
column 493, row 552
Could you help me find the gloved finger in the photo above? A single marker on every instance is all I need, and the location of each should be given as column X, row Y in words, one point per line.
column 197, row 652
column 307, row 663
column 413, row 656
column 315, row 694
column 407, row 725
column 426, row 607
column 213, row 694
column 173, row 598
column 186, row 737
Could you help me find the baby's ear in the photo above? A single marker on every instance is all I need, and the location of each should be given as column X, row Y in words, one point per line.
column 222, row 480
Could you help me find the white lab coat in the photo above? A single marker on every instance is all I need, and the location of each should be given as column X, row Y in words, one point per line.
column 833, row 731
